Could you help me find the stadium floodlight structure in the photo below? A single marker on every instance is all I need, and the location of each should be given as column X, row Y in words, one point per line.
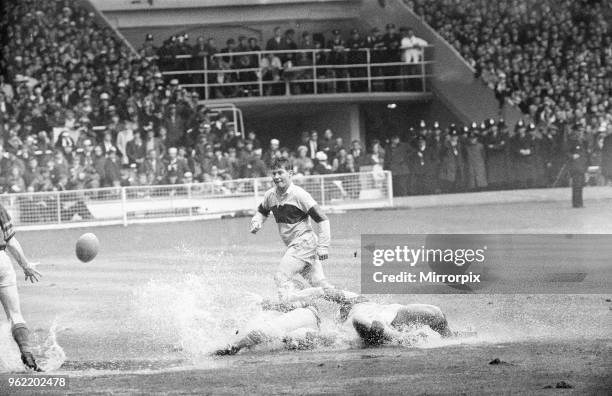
column 184, row 202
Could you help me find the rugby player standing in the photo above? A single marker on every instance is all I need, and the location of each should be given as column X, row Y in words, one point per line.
column 293, row 207
column 8, row 286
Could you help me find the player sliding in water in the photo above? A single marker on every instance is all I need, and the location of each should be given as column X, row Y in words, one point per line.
column 298, row 322
column 378, row 324
column 293, row 208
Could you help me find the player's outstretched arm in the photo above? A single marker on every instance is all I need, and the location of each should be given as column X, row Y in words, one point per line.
column 14, row 248
column 261, row 215
column 323, row 231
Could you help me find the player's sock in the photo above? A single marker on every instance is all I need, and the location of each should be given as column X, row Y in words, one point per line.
column 21, row 334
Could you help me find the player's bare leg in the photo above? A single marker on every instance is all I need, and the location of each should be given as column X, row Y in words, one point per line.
column 279, row 327
column 10, row 301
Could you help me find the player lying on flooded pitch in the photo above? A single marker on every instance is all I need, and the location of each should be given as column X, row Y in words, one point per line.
column 375, row 323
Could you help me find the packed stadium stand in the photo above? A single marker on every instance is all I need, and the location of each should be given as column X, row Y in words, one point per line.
column 110, row 94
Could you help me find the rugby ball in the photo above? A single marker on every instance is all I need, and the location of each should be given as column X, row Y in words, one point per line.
column 87, row 247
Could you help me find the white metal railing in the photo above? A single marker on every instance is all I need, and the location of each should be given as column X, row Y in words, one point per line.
column 316, row 78
column 235, row 120
column 180, row 202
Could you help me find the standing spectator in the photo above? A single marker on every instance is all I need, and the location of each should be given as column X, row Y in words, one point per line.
column 423, row 168
column 276, row 43
column 578, row 162
column 174, row 125
column 412, row 52
column 476, row 177
column 452, row 164
column 356, row 56
column 378, row 49
column 392, row 41
column 337, row 57
column 551, row 154
column 271, row 68
column 606, row 158
column 359, row 155
column 523, row 149
column 313, row 144
column 596, row 179
column 397, row 161
column 496, row 150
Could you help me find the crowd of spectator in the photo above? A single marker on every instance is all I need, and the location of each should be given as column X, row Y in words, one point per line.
column 79, row 110
column 242, row 71
column 551, row 58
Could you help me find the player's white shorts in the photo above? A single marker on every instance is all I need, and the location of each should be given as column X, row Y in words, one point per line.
column 7, row 272
column 301, row 259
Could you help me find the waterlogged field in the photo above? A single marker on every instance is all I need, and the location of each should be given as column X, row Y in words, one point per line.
column 145, row 315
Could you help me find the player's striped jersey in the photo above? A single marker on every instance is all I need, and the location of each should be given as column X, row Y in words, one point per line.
column 290, row 212
column 7, row 228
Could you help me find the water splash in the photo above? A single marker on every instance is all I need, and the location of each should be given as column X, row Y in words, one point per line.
column 49, row 354
column 192, row 313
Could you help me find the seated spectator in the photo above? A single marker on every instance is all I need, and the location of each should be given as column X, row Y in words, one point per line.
column 303, row 165
column 175, row 167
column 112, row 169
column 322, row 167
column 136, row 150
column 15, row 182
column 272, row 153
column 153, row 170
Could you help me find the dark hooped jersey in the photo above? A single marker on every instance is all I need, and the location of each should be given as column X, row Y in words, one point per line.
column 7, row 228
column 291, row 212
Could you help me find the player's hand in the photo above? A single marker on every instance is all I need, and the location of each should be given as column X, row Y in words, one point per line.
column 322, row 253
column 255, row 226
column 31, row 273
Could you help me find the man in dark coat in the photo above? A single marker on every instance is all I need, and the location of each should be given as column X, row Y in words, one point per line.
column 423, row 168
column 551, row 149
column 606, row 159
column 397, row 161
column 451, row 174
column 496, row 149
column 523, row 152
column 578, row 162
column 476, row 177
column 174, row 125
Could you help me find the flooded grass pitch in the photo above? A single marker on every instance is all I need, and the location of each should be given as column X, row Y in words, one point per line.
column 147, row 312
